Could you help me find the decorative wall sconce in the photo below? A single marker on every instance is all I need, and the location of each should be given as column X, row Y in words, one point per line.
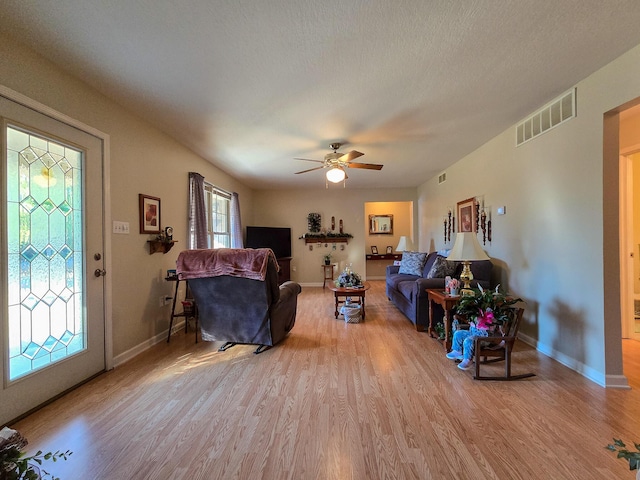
column 449, row 225
column 485, row 224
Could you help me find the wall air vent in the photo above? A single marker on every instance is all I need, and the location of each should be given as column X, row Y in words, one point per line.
column 550, row 116
column 442, row 178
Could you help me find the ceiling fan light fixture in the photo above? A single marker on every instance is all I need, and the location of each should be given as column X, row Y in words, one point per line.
column 335, row 175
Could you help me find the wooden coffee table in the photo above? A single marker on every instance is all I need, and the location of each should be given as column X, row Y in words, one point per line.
column 350, row 292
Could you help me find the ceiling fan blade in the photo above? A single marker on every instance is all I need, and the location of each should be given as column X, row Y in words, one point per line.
column 310, row 170
column 352, row 155
column 309, row 160
column 368, row 166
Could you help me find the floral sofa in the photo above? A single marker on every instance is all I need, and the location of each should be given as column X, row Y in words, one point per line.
column 407, row 283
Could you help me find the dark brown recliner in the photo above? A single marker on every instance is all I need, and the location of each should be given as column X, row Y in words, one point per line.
column 236, row 309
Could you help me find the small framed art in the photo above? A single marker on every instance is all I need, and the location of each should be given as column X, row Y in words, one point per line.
column 467, row 215
column 374, row 250
column 149, row 213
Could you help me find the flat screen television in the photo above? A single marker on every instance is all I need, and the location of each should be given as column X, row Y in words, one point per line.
column 277, row 239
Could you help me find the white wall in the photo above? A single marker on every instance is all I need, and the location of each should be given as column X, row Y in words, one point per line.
column 549, row 246
column 143, row 160
column 289, row 208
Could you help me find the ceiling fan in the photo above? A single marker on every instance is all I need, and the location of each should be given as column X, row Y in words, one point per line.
column 337, row 163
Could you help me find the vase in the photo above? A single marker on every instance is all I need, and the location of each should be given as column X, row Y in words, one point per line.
column 453, row 292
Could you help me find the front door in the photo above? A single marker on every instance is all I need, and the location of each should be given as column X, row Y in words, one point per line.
column 52, row 293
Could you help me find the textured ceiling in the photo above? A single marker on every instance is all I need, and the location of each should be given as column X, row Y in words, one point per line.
column 251, row 84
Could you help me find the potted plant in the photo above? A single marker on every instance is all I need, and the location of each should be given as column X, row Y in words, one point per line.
column 327, row 259
column 632, row 457
column 489, row 309
column 15, row 465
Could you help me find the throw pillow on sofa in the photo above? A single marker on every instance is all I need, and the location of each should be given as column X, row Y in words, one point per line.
column 442, row 268
column 412, row 263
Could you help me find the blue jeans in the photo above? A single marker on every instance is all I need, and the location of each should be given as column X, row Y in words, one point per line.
column 463, row 340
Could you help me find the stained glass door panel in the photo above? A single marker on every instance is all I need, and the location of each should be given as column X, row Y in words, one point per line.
column 52, row 235
column 45, row 252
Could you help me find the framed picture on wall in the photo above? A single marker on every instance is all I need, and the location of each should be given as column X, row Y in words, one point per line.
column 149, row 213
column 467, row 215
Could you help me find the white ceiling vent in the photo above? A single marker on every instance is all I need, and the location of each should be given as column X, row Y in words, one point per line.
column 442, row 178
column 550, row 116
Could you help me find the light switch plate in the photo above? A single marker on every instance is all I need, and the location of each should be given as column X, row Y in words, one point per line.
column 121, row 227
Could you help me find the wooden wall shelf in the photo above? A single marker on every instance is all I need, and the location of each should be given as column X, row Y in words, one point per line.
column 387, row 256
column 326, row 240
column 156, row 246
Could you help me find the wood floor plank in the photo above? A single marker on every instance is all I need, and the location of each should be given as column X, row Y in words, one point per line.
column 334, row 400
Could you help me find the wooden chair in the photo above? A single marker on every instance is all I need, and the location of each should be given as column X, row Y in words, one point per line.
column 499, row 349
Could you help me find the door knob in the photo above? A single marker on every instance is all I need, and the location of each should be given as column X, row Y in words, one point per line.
column 100, row 273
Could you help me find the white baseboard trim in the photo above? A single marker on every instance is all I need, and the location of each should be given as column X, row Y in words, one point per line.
column 138, row 349
column 607, row 381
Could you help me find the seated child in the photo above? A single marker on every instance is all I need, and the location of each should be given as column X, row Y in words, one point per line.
column 462, row 344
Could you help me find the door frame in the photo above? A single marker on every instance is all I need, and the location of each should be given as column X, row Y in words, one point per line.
column 627, row 245
column 106, row 188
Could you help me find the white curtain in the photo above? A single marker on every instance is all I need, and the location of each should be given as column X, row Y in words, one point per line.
column 197, row 213
column 236, row 223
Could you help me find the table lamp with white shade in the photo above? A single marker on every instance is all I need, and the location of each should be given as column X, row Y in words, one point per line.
column 466, row 249
column 404, row 244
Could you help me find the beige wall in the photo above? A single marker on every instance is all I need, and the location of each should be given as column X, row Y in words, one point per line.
column 549, row 246
column 289, row 208
column 143, row 160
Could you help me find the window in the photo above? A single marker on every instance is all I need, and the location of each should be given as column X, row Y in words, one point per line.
column 217, row 206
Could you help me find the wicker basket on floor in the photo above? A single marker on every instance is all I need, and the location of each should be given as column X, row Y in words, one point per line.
column 352, row 313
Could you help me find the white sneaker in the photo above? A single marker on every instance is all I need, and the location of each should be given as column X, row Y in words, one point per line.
column 465, row 365
column 454, row 355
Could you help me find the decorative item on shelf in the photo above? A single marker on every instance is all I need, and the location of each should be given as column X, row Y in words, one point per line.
column 404, row 244
column 341, row 226
column 314, row 222
column 374, row 250
column 348, row 278
column 477, row 207
column 168, row 234
column 632, row 457
column 466, row 249
column 389, row 249
column 333, row 223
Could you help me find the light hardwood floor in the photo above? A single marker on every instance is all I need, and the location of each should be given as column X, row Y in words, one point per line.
column 375, row 400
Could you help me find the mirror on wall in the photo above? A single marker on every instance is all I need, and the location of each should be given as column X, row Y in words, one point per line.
column 380, row 224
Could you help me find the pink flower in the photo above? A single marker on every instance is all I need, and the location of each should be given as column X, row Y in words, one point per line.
column 485, row 319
